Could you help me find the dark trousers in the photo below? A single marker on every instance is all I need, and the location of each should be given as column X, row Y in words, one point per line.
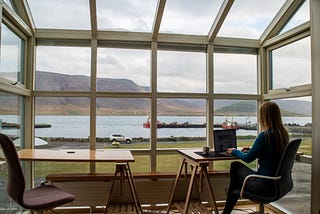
column 238, row 172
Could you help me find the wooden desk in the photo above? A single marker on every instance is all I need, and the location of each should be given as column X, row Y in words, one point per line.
column 76, row 155
column 196, row 162
column 122, row 158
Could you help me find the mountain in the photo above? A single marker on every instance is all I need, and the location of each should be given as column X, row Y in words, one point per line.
column 47, row 81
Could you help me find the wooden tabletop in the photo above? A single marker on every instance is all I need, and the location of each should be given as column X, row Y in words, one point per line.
column 190, row 154
column 76, row 155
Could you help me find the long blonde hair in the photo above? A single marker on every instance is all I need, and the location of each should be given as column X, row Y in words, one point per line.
column 270, row 118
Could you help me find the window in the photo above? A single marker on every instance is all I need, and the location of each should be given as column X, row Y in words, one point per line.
column 238, row 114
column 62, row 68
column 291, row 64
column 123, row 70
column 11, row 117
column 297, row 116
column 239, row 77
column 181, row 71
column 12, row 56
column 122, row 117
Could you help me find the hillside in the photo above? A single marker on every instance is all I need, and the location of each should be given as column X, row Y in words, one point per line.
column 46, row 81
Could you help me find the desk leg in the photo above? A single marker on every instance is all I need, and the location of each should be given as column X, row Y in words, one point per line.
column 133, row 189
column 112, row 187
column 124, row 170
column 175, row 185
column 206, row 177
column 193, row 175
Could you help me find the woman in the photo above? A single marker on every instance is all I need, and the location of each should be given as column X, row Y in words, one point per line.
column 267, row 148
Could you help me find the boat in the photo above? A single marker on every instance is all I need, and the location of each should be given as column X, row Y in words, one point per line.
column 230, row 125
column 147, row 124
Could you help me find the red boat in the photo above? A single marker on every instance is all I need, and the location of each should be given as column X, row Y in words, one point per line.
column 147, row 124
column 230, row 125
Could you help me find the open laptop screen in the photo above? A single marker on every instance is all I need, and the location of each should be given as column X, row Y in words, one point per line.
column 223, row 139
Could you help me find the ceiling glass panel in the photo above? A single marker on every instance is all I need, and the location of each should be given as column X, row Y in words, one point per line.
column 8, row 2
column 126, row 15
column 61, row 14
column 249, row 19
column 300, row 17
column 189, row 17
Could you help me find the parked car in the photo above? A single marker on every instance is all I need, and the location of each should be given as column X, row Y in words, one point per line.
column 120, row 138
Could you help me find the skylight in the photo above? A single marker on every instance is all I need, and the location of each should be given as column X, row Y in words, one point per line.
column 126, row 15
column 189, row 17
column 249, row 19
column 61, row 14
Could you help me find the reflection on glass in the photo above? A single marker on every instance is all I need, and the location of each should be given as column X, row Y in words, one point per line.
column 123, row 70
column 64, row 121
column 245, row 21
column 291, row 64
column 61, row 14
column 181, row 71
column 63, row 68
column 240, row 76
column 126, row 15
column 11, row 117
column 12, row 55
column 181, row 123
column 119, row 123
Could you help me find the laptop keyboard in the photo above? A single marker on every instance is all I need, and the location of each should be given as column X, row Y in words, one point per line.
column 213, row 154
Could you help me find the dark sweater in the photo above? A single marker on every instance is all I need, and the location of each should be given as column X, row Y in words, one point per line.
column 266, row 153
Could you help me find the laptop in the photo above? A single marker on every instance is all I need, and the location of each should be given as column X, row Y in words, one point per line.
column 222, row 140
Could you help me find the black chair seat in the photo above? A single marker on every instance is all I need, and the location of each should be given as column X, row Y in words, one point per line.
column 45, row 197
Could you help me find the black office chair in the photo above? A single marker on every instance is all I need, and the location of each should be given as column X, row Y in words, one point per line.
column 282, row 180
column 44, row 197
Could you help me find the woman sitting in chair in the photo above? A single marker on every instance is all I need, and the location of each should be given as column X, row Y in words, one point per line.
column 267, row 148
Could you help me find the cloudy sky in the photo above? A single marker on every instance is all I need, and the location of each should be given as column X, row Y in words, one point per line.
column 247, row 19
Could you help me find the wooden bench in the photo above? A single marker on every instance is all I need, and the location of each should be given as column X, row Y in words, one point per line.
column 153, row 189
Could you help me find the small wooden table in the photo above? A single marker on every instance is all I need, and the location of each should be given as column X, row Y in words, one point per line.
column 122, row 158
column 196, row 162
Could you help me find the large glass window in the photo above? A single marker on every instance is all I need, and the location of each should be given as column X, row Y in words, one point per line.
column 12, row 117
column 11, row 124
column 291, row 64
column 120, row 123
column 239, row 77
column 240, row 115
column 65, row 122
column 297, row 116
column 12, row 55
column 123, row 70
column 181, row 123
column 181, row 71
column 62, row 68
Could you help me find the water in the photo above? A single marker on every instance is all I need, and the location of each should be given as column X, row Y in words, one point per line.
column 79, row 126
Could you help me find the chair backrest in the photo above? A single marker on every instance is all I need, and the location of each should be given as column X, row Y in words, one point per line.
column 15, row 182
column 285, row 184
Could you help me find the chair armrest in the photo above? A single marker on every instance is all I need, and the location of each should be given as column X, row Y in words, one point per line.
column 256, row 176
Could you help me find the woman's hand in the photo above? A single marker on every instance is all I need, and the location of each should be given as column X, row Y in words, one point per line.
column 229, row 150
